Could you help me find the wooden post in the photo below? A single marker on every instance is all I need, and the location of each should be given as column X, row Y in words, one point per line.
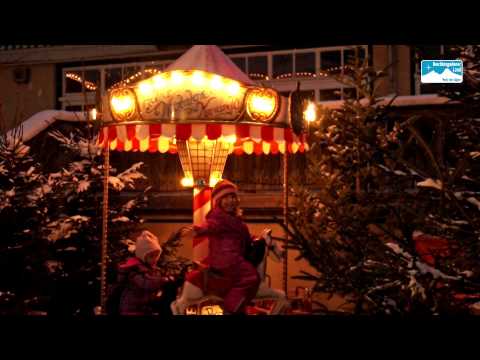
column 285, row 219
column 104, row 248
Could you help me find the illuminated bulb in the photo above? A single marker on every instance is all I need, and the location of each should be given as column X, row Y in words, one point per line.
column 187, row 182
column 198, row 79
column 177, row 77
column 145, row 88
column 159, row 81
column 215, row 177
column 233, row 88
column 216, row 82
column 231, row 139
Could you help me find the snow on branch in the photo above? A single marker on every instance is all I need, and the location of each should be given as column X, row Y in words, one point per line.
column 436, row 184
column 422, row 267
column 474, row 201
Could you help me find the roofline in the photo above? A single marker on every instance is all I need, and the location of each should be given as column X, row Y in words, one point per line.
column 76, row 53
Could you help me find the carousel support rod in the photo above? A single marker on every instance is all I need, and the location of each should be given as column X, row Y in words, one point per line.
column 285, row 220
column 103, row 269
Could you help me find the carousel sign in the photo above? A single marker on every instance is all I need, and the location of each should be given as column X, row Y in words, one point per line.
column 192, row 96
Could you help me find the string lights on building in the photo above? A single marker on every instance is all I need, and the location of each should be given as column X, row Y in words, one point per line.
column 258, row 76
column 88, row 84
column 137, row 76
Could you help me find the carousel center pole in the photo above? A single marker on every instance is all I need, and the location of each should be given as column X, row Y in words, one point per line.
column 201, row 207
column 103, row 269
column 285, row 220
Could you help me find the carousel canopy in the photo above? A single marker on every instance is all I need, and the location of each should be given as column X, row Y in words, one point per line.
column 245, row 138
column 210, row 59
column 203, row 95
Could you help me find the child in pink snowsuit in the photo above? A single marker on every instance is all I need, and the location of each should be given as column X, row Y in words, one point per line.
column 144, row 279
column 229, row 239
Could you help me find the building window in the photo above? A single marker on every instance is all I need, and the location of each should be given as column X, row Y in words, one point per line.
column 305, row 64
column 282, row 66
column 115, row 75
column 330, row 60
column 349, row 93
column 330, row 94
column 75, row 79
column 241, row 62
column 258, row 67
column 101, row 78
column 349, row 56
column 308, row 94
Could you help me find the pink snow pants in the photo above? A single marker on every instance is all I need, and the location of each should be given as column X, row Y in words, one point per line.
column 244, row 286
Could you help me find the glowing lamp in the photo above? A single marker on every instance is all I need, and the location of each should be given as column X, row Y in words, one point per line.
column 262, row 104
column 159, row 81
column 187, row 182
column 198, row 78
column 177, row 77
column 233, row 88
column 310, row 113
column 145, row 88
column 93, row 114
column 216, row 82
column 122, row 103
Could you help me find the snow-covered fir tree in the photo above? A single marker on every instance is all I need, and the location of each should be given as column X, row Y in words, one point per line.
column 53, row 225
column 390, row 235
column 25, row 194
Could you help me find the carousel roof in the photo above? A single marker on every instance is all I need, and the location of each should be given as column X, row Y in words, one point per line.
column 210, row 58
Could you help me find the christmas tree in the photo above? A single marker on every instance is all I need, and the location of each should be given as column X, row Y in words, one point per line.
column 25, row 194
column 53, row 225
column 368, row 219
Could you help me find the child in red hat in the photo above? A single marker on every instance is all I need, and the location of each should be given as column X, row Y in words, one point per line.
column 229, row 240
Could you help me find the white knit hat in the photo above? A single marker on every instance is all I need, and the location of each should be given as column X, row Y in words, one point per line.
column 146, row 243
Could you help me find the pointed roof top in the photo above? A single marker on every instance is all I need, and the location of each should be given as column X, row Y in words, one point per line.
column 211, row 59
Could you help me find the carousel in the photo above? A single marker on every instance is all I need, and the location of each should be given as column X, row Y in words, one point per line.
column 204, row 108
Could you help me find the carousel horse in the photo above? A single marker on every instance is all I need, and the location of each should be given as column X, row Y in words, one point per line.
column 193, row 292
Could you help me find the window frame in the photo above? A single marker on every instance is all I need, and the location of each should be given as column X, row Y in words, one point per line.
column 315, row 83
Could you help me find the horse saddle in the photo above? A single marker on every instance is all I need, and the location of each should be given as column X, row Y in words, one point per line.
column 211, row 280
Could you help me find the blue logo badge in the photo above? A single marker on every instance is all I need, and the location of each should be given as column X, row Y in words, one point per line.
column 441, row 71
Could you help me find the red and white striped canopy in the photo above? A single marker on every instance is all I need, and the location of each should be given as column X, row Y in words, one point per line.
column 249, row 139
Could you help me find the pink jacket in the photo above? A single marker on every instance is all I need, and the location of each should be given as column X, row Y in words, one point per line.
column 228, row 238
column 143, row 284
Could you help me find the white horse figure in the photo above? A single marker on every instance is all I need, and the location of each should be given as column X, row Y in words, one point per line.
column 192, row 295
